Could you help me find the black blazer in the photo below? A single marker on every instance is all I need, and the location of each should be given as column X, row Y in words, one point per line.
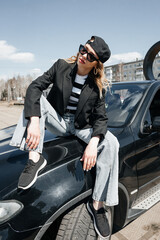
column 91, row 112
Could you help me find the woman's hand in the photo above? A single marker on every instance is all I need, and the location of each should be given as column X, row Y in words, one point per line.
column 33, row 133
column 90, row 154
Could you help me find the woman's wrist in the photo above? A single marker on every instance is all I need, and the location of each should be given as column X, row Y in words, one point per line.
column 95, row 140
column 34, row 119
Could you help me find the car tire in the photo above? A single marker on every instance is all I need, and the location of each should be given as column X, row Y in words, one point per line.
column 78, row 224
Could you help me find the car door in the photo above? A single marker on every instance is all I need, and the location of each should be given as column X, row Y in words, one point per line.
column 147, row 144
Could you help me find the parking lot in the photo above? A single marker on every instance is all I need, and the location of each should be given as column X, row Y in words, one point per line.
column 146, row 227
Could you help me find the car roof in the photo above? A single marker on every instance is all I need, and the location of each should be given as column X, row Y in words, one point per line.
column 136, row 82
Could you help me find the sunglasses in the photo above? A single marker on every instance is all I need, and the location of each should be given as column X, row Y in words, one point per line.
column 90, row 56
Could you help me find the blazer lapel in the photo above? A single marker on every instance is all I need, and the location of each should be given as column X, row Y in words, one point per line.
column 86, row 92
column 68, row 84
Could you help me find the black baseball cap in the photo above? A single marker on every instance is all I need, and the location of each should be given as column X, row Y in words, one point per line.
column 100, row 47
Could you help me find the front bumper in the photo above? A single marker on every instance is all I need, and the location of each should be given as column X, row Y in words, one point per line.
column 8, row 233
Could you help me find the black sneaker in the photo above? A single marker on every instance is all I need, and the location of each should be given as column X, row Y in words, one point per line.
column 30, row 173
column 100, row 221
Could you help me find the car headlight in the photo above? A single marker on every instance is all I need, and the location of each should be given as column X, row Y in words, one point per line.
column 8, row 209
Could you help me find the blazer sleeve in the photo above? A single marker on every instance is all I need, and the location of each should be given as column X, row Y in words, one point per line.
column 35, row 89
column 100, row 118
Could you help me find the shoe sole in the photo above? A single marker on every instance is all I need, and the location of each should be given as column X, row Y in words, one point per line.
column 94, row 223
column 36, row 175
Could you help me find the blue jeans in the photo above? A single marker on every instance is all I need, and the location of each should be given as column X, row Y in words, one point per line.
column 106, row 183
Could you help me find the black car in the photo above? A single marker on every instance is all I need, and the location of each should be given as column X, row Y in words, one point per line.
column 54, row 207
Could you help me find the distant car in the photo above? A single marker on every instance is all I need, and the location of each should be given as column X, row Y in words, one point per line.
column 54, row 207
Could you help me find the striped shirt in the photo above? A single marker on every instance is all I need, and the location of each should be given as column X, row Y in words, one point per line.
column 76, row 91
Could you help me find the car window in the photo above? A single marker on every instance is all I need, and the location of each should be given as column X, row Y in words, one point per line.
column 155, row 105
column 122, row 101
column 152, row 111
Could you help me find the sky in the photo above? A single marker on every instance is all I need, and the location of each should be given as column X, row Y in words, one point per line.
column 35, row 33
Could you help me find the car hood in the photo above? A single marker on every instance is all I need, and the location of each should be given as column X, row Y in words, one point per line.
column 12, row 160
column 6, row 133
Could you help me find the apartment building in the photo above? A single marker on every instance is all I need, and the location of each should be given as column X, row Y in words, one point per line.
column 131, row 71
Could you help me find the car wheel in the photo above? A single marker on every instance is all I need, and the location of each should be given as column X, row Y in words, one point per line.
column 78, row 224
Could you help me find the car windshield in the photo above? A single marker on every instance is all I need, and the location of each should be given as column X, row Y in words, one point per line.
column 122, row 101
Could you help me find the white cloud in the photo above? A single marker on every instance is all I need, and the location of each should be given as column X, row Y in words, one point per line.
column 124, row 57
column 36, row 72
column 9, row 52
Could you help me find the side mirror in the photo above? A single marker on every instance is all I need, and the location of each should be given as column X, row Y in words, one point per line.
column 147, row 128
column 156, row 124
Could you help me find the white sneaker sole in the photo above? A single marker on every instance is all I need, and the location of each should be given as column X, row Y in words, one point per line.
column 36, row 175
column 94, row 223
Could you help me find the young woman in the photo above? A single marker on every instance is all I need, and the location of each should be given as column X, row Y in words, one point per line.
column 75, row 105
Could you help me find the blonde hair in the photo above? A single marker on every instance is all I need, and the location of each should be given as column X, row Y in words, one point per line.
column 99, row 77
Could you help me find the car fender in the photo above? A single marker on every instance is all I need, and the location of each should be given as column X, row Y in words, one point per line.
column 55, row 190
